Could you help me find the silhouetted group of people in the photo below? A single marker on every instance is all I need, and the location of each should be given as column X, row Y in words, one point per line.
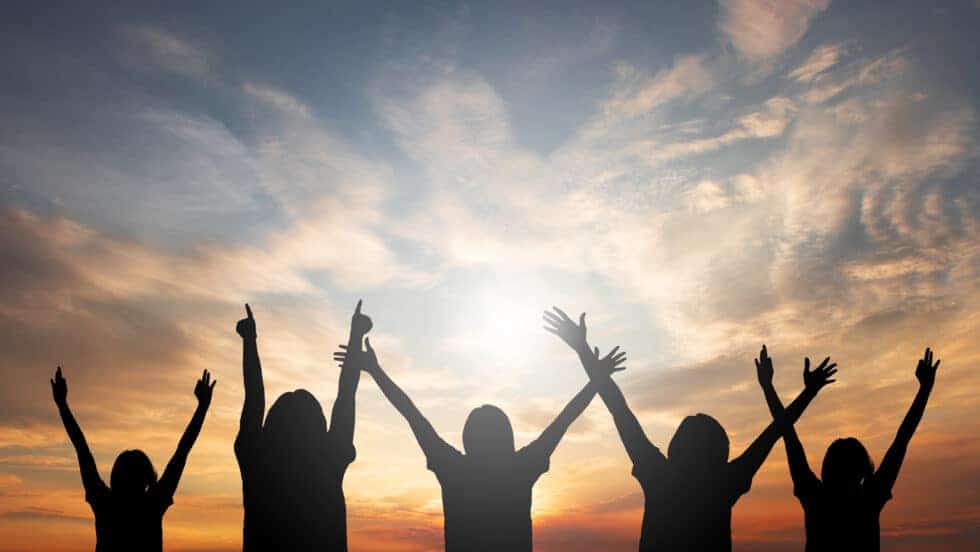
column 293, row 462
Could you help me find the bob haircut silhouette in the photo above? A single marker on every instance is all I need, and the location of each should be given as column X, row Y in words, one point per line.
column 293, row 422
column 846, row 463
column 132, row 473
column 699, row 441
column 488, row 433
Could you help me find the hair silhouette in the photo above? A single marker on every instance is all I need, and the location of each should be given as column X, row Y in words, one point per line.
column 688, row 494
column 846, row 464
column 700, row 443
column 486, row 491
column 129, row 511
column 132, row 473
column 293, row 465
column 488, row 433
column 842, row 508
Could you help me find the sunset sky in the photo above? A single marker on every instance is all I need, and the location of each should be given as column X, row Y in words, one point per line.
column 700, row 177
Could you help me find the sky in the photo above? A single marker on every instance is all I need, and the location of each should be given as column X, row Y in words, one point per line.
column 699, row 177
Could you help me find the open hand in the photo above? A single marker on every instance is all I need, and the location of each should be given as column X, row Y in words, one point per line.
column 819, row 377
column 59, row 388
column 925, row 371
column 204, row 389
column 561, row 325
column 763, row 367
column 363, row 360
column 609, row 364
column 246, row 326
column 360, row 324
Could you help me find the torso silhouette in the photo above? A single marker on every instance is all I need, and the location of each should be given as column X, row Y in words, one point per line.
column 839, row 521
column 297, row 509
column 128, row 525
column 688, row 513
column 487, row 505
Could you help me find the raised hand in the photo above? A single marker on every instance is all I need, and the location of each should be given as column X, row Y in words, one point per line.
column 820, row 377
column 763, row 367
column 59, row 388
column 609, row 364
column 925, row 371
column 360, row 324
column 561, row 325
column 365, row 360
column 205, row 388
column 246, row 326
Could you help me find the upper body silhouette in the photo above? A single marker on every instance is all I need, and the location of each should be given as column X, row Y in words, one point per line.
column 842, row 507
column 486, row 490
column 129, row 511
column 688, row 494
column 292, row 465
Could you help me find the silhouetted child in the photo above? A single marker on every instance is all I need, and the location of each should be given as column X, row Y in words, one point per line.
column 129, row 512
column 688, row 494
column 292, row 466
column 842, row 507
column 486, row 491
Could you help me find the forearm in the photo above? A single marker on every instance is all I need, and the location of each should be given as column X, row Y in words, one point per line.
column 912, row 418
column 193, row 429
column 254, row 405
column 86, row 461
column 553, row 434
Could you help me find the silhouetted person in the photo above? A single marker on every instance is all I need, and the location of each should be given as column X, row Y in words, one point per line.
column 292, row 466
column 688, row 494
column 842, row 507
column 129, row 512
column 486, row 491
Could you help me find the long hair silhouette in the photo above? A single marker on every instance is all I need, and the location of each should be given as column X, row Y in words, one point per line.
column 486, row 490
column 688, row 494
column 129, row 511
column 292, row 464
column 842, row 508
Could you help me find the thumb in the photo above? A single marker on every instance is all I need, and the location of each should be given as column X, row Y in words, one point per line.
column 806, row 365
column 367, row 343
column 357, row 309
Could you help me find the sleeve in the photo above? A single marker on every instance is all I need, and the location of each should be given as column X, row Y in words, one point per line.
column 163, row 500
column 97, row 495
column 650, row 466
column 440, row 457
column 879, row 493
column 342, row 451
column 533, row 462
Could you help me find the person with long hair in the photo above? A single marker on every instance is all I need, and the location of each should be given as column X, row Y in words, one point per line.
column 689, row 493
column 292, row 465
column 842, row 507
column 129, row 511
column 486, row 487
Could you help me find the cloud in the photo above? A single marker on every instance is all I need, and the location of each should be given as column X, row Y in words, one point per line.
column 636, row 95
column 762, row 29
column 154, row 46
column 819, row 61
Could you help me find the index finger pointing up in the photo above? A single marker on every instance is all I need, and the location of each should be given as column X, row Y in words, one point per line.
column 248, row 311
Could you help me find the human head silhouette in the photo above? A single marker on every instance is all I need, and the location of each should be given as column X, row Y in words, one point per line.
column 132, row 473
column 847, row 464
column 293, row 422
column 699, row 444
column 488, row 433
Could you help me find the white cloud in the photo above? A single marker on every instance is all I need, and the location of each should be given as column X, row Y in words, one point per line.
column 761, row 29
column 820, row 60
column 165, row 50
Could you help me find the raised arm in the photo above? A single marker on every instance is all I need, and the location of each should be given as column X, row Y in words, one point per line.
column 799, row 467
column 751, row 460
column 253, row 409
column 342, row 418
column 171, row 475
column 86, row 462
column 551, row 436
column 925, row 372
column 425, row 434
column 638, row 446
